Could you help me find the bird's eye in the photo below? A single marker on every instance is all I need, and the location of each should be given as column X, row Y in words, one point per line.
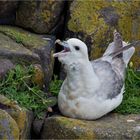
column 77, row 48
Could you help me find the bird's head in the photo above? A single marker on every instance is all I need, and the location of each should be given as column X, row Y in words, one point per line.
column 74, row 49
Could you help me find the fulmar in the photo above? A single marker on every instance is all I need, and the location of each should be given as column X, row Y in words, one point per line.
column 92, row 89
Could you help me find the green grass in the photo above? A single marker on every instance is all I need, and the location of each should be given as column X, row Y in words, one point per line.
column 55, row 86
column 17, row 85
column 131, row 100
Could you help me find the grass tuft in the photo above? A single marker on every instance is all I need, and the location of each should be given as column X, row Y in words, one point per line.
column 55, row 86
column 17, row 86
column 131, row 100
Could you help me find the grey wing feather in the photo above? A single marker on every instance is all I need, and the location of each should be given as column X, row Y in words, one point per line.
column 118, row 42
column 110, row 78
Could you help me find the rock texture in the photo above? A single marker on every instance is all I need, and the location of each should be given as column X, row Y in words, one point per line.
column 38, row 77
column 8, row 127
column 23, row 47
column 113, row 126
column 94, row 22
column 5, row 66
column 8, row 11
column 22, row 117
column 40, row 16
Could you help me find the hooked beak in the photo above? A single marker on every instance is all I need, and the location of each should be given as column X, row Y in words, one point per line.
column 65, row 46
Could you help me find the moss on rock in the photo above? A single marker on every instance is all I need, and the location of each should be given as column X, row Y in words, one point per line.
column 112, row 126
column 68, row 129
column 40, row 16
column 17, row 53
column 38, row 76
column 23, row 47
column 8, row 127
column 22, row 117
column 26, row 38
column 94, row 22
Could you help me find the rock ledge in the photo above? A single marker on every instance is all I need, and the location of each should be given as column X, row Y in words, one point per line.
column 112, row 126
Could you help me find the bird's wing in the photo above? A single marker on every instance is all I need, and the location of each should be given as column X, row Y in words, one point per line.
column 119, row 48
column 116, row 45
column 110, row 78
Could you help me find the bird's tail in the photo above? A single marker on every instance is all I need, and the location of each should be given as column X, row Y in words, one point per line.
column 119, row 48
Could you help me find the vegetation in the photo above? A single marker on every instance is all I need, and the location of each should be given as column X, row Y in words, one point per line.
column 17, row 85
column 28, row 39
column 131, row 101
column 55, row 86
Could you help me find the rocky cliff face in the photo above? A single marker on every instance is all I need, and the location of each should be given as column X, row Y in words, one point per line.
column 40, row 16
column 94, row 22
column 91, row 21
column 23, row 47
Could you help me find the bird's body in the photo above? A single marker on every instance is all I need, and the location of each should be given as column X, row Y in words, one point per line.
column 91, row 88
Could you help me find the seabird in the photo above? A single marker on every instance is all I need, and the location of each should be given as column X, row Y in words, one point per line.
column 92, row 89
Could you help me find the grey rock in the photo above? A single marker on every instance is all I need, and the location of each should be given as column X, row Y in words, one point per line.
column 5, row 66
column 8, row 11
column 16, row 52
column 22, row 117
column 38, row 124
column 40, row 16
column 8, row 127
column 23, row 47
column 94, row 21
column 112, row 126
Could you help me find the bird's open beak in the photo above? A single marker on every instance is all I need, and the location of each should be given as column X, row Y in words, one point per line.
column 65, row 46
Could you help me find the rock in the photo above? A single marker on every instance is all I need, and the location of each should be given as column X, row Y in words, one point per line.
column 112, row 126
column 8, row 127
column 38, row 77
column 5, row 66
column 23, row 47
column 37, row 126
column 17, row 53
column 23, row 117
column 94, row 21
column 38, row 123
column 5, row 103
column 8, row 11
column 40, row 16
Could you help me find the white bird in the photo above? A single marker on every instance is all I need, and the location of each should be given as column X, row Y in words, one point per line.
column 92, row 88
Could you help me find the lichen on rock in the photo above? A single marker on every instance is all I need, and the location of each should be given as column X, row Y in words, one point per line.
column 26, row 48
column 22, row 116
column 38, row 76
column 112, row 126
column 94, row 21
column 40, row 16
column 8, row 127
column 28, row 39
